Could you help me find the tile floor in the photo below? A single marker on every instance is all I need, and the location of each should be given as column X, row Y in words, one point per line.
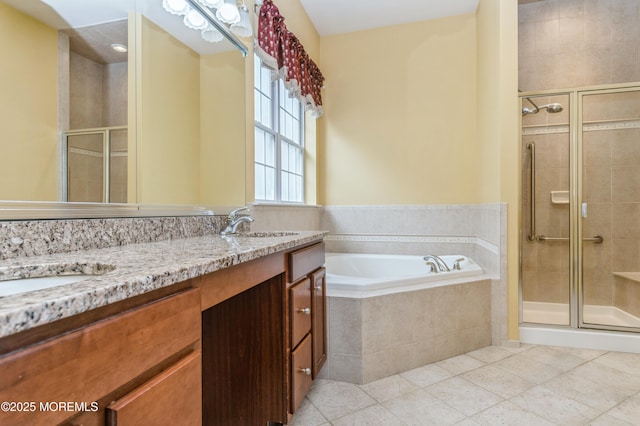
column 530, row 385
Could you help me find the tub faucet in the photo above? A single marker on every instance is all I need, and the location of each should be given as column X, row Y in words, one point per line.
column 431, row 259
column 234, row 220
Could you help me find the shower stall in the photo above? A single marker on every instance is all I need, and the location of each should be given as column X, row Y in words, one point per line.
column 580, row 204
column 95, row 165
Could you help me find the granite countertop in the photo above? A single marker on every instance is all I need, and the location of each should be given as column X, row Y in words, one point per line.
column 139, row 268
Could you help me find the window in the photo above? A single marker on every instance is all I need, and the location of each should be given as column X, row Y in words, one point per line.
column 279, row 141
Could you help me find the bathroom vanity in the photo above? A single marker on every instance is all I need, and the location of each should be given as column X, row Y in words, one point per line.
column 228, row 332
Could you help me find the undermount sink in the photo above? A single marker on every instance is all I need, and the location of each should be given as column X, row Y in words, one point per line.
column 267, row 234
column 23, row 279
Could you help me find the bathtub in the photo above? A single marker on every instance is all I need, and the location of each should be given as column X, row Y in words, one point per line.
column 388, row 313
column 354, row 274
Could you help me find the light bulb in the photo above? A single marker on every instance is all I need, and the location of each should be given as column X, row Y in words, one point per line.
column 212, row 35
column 176, row 7
column 228, row 12
column 215, row 4
column 194, row 20
column 243, row 27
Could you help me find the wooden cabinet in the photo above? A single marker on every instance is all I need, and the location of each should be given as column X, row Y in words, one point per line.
column 258, row 341
column 307, row 320
column 239, row 346
column 101, row 361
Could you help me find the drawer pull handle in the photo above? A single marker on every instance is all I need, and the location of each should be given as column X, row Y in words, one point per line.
column 306, row 371
column 306, row 311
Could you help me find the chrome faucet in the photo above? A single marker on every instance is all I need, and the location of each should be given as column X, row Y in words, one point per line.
column 432, row 260
column 234, row 220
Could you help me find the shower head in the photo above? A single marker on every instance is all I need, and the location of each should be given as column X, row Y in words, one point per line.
column 551, row 108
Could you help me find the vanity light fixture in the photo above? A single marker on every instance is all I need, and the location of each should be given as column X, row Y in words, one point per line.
column 121, row 48
column 235, row 17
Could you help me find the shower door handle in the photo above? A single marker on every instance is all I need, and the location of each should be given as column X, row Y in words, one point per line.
column 595, row 239
column 532, row 193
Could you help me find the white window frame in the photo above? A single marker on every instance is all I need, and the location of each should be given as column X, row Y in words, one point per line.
column 277, row 92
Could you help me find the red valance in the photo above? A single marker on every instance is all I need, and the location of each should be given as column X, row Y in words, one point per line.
column 280, row 50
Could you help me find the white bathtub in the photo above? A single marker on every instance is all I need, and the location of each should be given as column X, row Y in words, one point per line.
column 364, row 275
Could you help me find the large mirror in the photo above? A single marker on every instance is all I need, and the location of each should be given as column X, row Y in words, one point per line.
column 160, row 124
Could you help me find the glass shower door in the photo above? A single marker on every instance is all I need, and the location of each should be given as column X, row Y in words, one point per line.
column 96, row 165
column 610, row 209
column 545, row 273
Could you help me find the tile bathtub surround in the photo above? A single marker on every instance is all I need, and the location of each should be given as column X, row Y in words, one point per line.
column 474, row 230
column 373, row 338
column 269, row 217
column 529, row 385
column 42, row 237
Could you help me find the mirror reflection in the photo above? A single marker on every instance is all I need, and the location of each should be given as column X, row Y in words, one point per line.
column 160, row 119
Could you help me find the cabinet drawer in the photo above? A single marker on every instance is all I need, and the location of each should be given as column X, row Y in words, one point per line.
column 300, row 372
column 170, row 398
column 304, row 261
column 300, row 310
column 87, row 364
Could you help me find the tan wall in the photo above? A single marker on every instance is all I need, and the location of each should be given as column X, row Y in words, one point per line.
column 400, row 115
column 222, row 157
column 168, row 120
column 498, row 120
column 28, row 110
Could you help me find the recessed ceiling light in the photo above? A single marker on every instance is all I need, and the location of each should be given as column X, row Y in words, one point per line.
column 119, row 47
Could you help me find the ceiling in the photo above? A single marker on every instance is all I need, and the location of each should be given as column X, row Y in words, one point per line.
column 93, row 25
column 328, row 16
column 343, row 16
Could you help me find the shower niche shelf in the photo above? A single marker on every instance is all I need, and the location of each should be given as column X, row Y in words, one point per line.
column 559, row 197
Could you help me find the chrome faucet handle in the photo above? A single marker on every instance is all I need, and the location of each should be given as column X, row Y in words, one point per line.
column 434, row 267
column 456, row 264
column 234, row 214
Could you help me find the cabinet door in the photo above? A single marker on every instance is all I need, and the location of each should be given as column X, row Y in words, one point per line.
column 319, row 319
column 244, row 372
column 170, row 398
column 300, row 310
column 87, row 364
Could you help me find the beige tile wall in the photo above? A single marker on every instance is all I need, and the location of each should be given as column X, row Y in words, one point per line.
column 574, row 43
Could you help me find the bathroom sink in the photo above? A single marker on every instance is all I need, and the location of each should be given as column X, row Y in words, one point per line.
column 23, row 279
column 267, row 234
